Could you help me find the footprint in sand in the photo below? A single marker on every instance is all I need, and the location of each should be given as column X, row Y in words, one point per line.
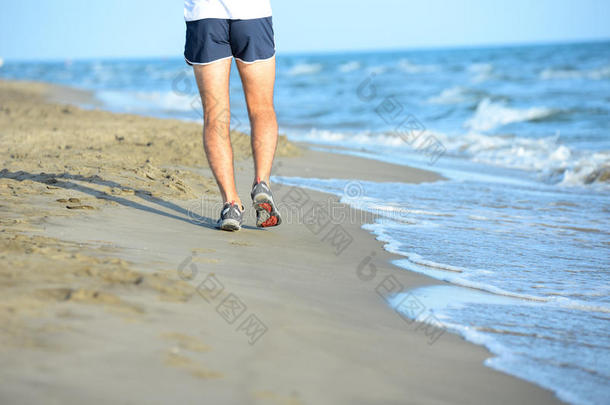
column 75, row 204
column 272, row 398
column 205, row 260
column 87, row 296
column 175, row 357
column 186, row 342
column 203, row 250
column 240, row 243
column 121, row 191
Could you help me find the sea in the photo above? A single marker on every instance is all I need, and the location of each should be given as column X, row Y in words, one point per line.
column 520, row 225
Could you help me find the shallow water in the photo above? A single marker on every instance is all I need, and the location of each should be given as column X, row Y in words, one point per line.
column 537, row 292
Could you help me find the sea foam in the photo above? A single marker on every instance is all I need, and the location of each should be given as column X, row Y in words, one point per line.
column 490, row 115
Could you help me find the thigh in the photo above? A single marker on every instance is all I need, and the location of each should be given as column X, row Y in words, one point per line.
column 258, row 80
column 213, row 82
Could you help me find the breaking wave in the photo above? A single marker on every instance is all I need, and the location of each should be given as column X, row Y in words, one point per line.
column 490, row 115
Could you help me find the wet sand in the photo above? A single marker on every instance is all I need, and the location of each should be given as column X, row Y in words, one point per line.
column 115, row 286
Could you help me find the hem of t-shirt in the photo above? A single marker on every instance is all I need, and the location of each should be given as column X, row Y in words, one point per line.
column 225, row 17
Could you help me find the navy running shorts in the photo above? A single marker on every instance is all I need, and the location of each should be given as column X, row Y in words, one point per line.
column 212, row 39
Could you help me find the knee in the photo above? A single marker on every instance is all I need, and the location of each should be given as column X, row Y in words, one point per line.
column 216, row 128
column 261, row 112
column 216, row 117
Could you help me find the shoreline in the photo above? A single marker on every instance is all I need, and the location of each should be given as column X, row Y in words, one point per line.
column 331, row 337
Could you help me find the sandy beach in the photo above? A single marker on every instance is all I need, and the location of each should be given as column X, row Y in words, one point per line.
column 115, row 286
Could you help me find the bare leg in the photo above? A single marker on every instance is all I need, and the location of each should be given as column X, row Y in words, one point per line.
column 213, row 83
column 258, row 80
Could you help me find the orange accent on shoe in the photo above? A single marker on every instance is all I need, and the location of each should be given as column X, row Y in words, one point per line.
column 272, row 221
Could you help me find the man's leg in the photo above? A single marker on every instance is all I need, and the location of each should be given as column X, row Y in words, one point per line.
column 258, row 80
column 213, row 83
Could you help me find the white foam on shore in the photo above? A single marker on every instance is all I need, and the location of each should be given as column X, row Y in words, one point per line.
column 552, row 161
column 459, row 276
column 511, row 151
column 509, row 362
column 469, row 287
column 587, row 170
column 439, row 300
column 441, row 272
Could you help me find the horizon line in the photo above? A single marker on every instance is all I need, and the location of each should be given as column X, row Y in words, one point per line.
column 490, row 45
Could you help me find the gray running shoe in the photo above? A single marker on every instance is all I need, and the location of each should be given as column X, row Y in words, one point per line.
column 231, row 217
column 262, row 200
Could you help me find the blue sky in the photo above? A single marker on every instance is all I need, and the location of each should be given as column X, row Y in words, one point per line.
column 61, row 29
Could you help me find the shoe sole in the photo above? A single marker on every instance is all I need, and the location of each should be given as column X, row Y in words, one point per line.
column 230, row 224
column 268, row 215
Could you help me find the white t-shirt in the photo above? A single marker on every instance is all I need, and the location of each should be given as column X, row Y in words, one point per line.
column 227, row 9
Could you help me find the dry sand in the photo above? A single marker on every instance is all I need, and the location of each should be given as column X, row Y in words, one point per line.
column 114, row 286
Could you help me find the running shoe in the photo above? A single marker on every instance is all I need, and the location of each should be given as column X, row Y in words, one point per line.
column 266, row 212
column 231, row 217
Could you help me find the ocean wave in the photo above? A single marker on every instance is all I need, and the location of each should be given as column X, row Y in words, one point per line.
column 405, row 211
column 508, row 361
column 481, row 72
column 490, row 115
column 551, row 160
column 349, row 67
column 457, row 95
column 510, row 151
column 570, row 74
column 452, row 307
column 594, row 168
column 453, row 95
column 377, row 70
column 554, row 162
column 486, row 288
column 459, row 277
column 143, row 101
column 406, row 66
column 303, row 69
column 417, row 259
column 327, row 137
